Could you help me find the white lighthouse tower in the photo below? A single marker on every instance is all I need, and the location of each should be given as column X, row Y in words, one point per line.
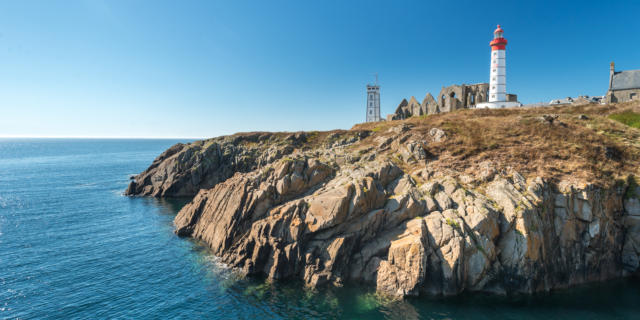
column 498, row 74
column 373, row 102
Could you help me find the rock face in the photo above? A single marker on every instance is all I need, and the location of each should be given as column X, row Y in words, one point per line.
column 374, row 224
column 182, row 170
column 377, row 207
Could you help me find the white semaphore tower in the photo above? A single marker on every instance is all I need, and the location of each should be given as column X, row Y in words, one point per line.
column 498, row 79
column 373, row 102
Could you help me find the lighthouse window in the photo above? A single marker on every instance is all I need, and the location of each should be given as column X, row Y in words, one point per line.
column 494, row 70
column 493, row 96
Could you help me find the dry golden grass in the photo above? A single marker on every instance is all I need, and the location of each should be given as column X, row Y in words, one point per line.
column 597, row 150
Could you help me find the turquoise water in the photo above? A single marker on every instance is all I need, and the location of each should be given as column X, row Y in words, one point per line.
column 71, row 246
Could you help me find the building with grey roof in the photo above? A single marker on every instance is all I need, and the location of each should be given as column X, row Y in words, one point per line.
column 623, row 85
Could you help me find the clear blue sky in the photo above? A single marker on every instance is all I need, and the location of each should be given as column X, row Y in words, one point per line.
column 207, row 68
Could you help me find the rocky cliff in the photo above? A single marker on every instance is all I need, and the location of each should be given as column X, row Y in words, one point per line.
column 478, row 200
column 184, row 169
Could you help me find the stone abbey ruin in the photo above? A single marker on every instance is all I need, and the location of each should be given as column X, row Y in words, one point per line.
column 451, row 98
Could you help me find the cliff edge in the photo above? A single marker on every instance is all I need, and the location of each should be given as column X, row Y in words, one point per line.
column 511, row 200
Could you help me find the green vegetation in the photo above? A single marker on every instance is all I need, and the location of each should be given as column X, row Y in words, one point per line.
column 397, row 159
column 631, row 189
column 265, row 172
column 630, row 118
column 312, row 136
column 453, row 224
column 520, row 208
column 493, row 204
column 376, row 129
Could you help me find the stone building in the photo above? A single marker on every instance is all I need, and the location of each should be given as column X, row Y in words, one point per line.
column 623, row 85
column 449, row 99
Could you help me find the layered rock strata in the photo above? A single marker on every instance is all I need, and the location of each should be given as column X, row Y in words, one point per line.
column 374, row 224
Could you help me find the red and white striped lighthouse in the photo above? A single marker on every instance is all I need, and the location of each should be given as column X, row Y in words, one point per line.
column 498, row 83
column 498, row 75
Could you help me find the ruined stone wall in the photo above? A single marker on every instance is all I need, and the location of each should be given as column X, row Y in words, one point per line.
column 449, row 99
column 462, row 96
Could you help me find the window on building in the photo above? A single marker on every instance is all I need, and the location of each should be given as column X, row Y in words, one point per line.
column 493, row 96
column 632, row 96
column 370, row 111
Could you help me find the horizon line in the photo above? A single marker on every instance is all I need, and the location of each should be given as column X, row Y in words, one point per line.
column 98, row 137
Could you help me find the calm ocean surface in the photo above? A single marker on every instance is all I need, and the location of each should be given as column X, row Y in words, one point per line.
column 71, row 246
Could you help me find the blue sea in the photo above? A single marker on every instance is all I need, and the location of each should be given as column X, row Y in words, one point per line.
column 73, row 247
